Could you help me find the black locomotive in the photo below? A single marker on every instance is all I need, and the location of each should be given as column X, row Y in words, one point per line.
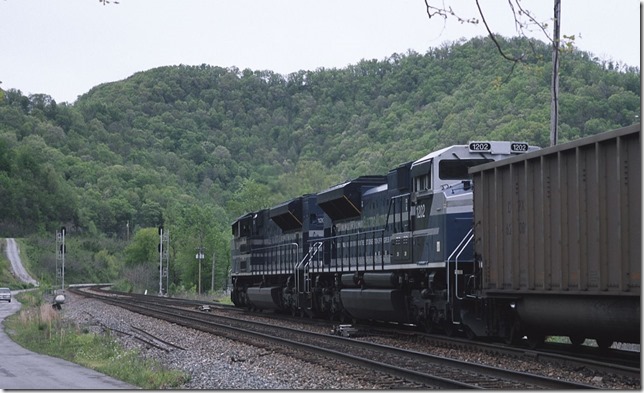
column 467, row 238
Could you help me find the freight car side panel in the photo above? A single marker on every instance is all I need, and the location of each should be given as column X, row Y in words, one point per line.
column 565, row 219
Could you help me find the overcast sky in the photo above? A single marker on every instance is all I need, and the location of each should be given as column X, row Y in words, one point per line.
column 63, row 48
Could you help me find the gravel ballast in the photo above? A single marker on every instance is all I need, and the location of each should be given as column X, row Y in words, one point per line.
column 212, row 362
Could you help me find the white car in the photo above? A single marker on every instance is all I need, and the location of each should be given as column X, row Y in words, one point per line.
column 5, row 294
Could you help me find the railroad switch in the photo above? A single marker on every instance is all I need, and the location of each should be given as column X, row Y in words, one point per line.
column 204, row 307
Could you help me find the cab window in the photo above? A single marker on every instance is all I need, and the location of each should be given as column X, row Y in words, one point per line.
column 457, row 169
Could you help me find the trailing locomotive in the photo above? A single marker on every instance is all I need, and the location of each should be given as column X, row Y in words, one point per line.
column 409, row 247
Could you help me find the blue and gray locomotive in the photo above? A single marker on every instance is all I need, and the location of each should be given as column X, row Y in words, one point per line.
column 375, row 247
column 408, row 247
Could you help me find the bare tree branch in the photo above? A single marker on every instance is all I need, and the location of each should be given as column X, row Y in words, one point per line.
column 523, row 20
column 498, row 46
column 446, row 12
column 541, row 26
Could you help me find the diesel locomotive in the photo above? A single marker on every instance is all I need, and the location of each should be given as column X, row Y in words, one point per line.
column 478, row 238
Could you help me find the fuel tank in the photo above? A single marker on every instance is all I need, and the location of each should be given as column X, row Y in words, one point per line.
column 267, row 298
column 375, row 304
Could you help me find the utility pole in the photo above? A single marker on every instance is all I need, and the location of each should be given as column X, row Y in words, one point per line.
column 59, row 299
column 62, row 250
column 199, row 258
column 60, row 256
column 164, row 251
column 160, row 260
column 212, row 274
column 166, row 255
column 554, row 105
column 59, row 252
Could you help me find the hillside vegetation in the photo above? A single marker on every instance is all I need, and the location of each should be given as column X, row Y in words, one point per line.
column 194, row 147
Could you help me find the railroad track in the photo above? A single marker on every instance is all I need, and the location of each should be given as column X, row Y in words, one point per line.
column 396, row 368
column 142, row 336
column 622, row 363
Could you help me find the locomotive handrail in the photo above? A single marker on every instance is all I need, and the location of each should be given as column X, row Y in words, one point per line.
column 469, row 240
column 303, row 265
column 458, row 251
column 355, row 236
column 312, row 251
column 256, row 251
column 322, row 239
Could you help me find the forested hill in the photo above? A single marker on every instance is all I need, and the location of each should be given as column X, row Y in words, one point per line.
column 145, row 150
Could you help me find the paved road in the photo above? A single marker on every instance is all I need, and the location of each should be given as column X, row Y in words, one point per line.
column 23, row 369
column 13, row 254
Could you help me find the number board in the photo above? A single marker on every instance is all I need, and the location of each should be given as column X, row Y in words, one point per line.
column 517, row 147
column 498, row 147
column 480, row 147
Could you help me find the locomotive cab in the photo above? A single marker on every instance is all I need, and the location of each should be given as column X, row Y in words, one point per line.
column 440, row 236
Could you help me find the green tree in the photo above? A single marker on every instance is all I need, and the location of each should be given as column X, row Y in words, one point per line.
column 144, row 248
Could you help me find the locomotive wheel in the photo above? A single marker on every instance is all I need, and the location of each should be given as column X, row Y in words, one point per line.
column 577, row 340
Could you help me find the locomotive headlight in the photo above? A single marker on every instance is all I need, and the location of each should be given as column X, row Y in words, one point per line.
column 513, row 305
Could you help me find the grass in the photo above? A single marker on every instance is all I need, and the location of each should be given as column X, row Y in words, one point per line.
column 216, row 296
column 39, row 328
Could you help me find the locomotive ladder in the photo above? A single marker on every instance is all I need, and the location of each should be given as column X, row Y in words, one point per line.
column 303, row 266
column 456, row 254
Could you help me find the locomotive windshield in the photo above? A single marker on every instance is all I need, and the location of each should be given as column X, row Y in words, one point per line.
column 458, row 169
